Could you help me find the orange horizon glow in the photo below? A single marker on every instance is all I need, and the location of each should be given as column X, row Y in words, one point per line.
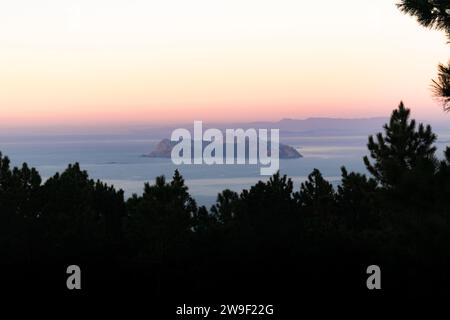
column 111, row 62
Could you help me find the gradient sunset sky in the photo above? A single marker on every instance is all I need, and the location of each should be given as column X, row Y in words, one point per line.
column 131, row 61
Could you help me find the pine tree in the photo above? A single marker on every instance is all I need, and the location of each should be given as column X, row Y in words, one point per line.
column 433, row 14
column 441, row 86
column 357, row 198
column 19, row 207
column 161, row 221
column 225, row 208
column 404, row 148
column 268, row 200
column 316, row 192
column 316, row 200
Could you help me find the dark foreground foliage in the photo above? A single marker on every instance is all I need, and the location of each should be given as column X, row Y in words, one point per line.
column 270, row 241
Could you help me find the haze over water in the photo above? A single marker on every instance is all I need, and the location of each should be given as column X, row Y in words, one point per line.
column 117, row 160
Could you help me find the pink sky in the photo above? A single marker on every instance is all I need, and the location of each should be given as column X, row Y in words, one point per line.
column 109, row 62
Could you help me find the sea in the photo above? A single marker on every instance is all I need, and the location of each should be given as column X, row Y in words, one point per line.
column 118, row 160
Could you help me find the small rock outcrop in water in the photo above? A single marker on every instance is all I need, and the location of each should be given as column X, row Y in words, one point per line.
column 164, row 149
column 288, row 152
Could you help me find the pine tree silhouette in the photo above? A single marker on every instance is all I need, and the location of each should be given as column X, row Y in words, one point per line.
column 433, row 14
column 402, row 148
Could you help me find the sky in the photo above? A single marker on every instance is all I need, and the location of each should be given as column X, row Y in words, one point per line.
column 90, row 62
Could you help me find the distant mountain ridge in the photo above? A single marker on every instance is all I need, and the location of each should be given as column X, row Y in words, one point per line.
column 317, row 125
column 310, row 126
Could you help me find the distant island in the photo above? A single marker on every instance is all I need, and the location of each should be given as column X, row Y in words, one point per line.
column 164, row 149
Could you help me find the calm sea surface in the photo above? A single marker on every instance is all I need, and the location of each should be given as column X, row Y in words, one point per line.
column 119, row 161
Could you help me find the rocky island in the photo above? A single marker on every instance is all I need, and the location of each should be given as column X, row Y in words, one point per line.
column 164, row 149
